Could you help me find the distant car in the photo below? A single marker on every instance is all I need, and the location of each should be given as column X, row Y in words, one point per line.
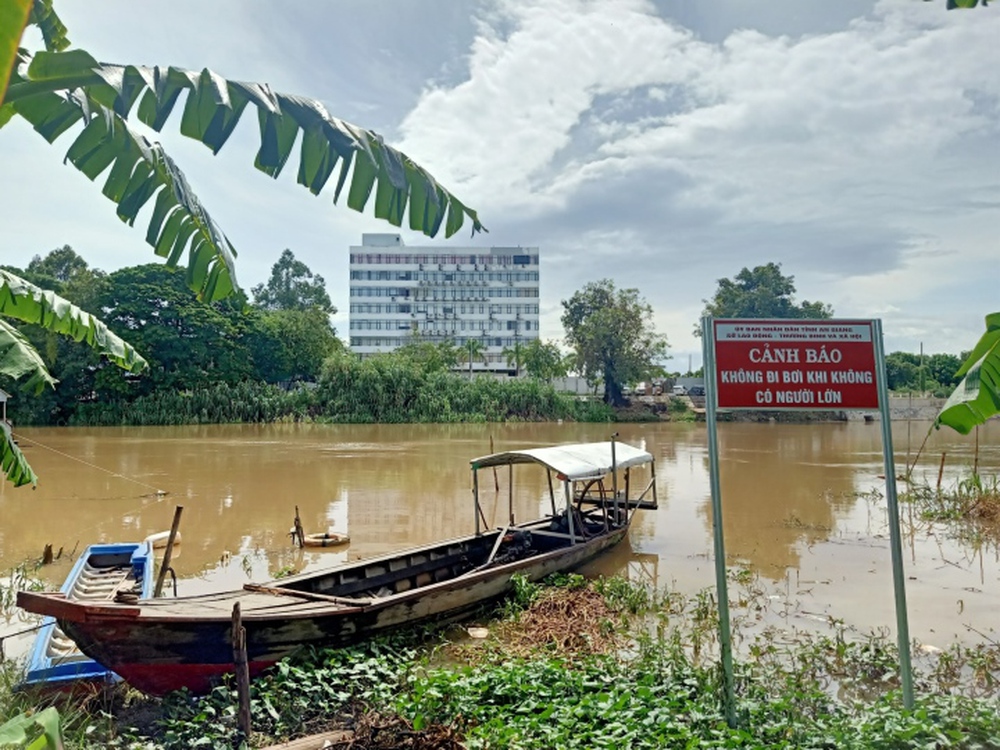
column 696, row 390
column 680, row 390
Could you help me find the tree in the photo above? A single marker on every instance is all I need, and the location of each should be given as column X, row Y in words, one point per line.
column 961, row 4
column 293, row 286
column 763, row 292
column 902, row 371
column 189, row 344
column 474, row 349
column 57, row 88
column 543, row 360
column 514, row 356
column 612, row 336
column 430, row 356
column 288, row 345
column 70, row 363
column 61, row 265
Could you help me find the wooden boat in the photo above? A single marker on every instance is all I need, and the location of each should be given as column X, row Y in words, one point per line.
column 165, row 644
column 102, row 573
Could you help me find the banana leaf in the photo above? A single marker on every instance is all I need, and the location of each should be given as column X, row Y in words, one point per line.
column 14, row 464
column 18, row 358
column 13, row 19
column 24, row 727
column 60, row 89
column 977, row 398
column 29, row 303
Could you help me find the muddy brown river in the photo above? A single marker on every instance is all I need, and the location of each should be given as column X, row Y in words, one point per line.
column 799, row 511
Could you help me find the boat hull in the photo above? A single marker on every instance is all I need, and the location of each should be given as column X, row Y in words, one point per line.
column 159, row 654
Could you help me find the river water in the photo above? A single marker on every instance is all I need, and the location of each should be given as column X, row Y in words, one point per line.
column 799, row 511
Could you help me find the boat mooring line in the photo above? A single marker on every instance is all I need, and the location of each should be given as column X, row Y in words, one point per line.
column 39, row 626
column 158, row 492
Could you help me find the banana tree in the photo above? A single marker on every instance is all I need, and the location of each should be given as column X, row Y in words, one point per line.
column 26, row 302
column 977, row 398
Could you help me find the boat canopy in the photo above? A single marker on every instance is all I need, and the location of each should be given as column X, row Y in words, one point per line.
column 575, row 462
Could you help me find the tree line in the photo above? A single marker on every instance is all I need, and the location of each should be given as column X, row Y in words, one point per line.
column 283, row 336
column 240, row 359
column 188, row 344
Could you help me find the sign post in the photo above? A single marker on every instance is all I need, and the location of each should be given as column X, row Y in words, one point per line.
column 794, row 365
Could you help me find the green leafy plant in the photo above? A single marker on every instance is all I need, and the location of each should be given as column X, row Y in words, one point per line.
column 33, row 731
column 977, row 397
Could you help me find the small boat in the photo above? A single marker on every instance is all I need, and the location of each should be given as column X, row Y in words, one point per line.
column 103, row 573
column 160, row 645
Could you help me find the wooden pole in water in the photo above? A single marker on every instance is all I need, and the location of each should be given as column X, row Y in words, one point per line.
column 239, row 638
column 941, row 471
column 496, row 479
column 168, row 552
column 300, row 532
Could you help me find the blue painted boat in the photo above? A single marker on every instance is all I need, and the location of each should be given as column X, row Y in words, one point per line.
column 104, row 572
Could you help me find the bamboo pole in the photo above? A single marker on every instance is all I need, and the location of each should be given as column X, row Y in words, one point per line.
column 242, row 669
column 168, row 552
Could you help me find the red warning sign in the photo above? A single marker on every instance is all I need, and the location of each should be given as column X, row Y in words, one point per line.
column 795, row 364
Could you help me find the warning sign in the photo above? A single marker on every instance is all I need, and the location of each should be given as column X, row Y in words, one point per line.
column 795, row 364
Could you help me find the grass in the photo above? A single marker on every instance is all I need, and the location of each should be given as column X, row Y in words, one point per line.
column 970, row 507
column 584, row 664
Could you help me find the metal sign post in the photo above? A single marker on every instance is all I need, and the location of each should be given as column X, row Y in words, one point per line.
column 895, row 543
column 721, row 586
column 794, row 365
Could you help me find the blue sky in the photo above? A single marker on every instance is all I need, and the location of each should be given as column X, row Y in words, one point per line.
column 662, row 144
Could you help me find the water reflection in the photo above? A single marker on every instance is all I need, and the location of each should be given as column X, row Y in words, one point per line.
column 781, row 491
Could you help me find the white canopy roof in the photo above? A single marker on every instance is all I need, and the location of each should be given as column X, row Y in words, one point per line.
column 575, row 461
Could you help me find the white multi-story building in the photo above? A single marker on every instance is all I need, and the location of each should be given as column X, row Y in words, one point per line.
column 488, row 295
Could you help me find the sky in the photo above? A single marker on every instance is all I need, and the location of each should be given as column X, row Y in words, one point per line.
column 664, row 144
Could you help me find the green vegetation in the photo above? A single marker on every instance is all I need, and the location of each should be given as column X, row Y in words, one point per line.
column 763, row 292
column 609, row 663
column 912, row 373
column 612, row 336
column 206, row 362
column 236, row 361
column 970, row 507
column 412, row 385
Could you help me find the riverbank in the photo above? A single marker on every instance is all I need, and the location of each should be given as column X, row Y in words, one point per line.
column 610, row 663
column 686, row 408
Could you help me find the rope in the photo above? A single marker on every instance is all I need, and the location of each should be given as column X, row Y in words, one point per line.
column 158, row 493
column 33, row 441
column 39, row 626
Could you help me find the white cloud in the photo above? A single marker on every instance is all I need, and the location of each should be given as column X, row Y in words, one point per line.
column 830, row 148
